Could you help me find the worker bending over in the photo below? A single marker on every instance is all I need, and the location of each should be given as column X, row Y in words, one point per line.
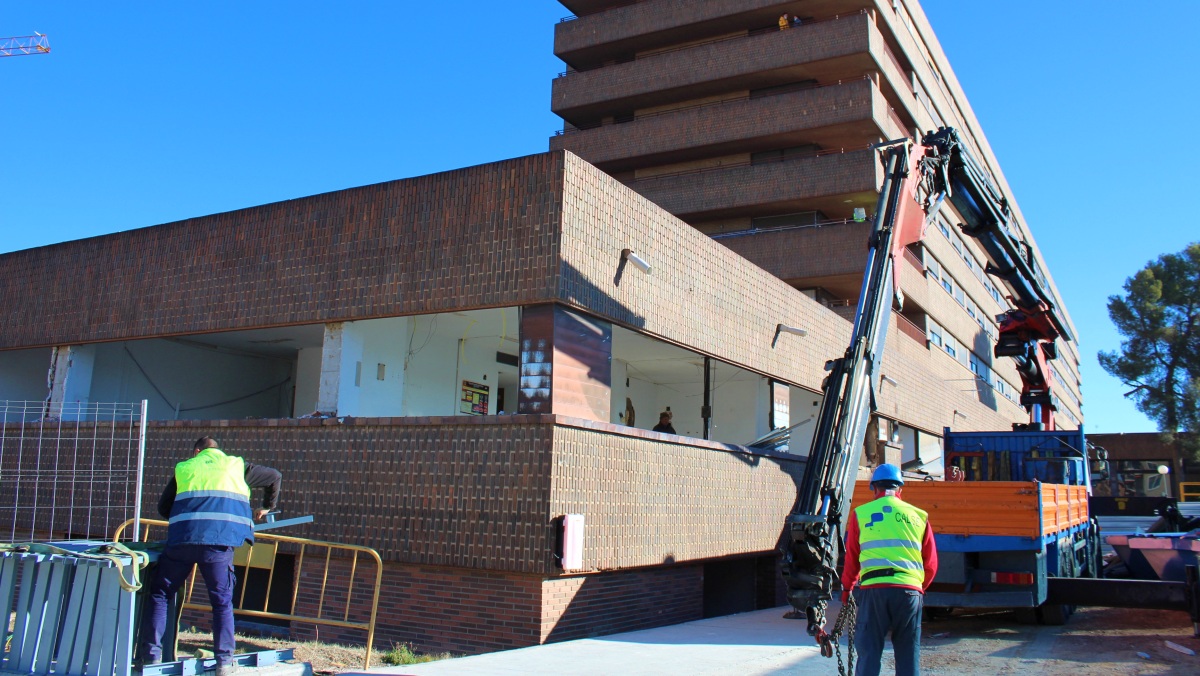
column 890, row 542
column 208, row 504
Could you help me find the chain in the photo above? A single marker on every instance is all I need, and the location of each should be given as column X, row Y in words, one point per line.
column 846, row 615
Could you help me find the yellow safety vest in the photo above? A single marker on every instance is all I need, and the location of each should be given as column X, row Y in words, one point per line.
column 890, row 533
column 212, row 501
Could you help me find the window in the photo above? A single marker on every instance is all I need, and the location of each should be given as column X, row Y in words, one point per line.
column 947, row 284
column 943, row 227
column 932, row 268
column 935, row 334
column 960, row 296
column 951, row 348
column 979, row 368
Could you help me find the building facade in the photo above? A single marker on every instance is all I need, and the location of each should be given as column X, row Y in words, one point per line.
column 752, row 121
column 445, row 366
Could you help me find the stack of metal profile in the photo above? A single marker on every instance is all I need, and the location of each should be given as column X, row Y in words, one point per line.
column 75, row 609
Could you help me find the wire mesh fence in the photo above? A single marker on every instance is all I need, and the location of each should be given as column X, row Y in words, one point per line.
column 69, row 470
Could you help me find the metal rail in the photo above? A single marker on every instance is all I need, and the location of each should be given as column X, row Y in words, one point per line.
column 266, row 549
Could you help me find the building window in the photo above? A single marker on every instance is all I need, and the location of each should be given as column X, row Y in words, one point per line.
column 943, row 227
column 932, row 268
column 935, row 334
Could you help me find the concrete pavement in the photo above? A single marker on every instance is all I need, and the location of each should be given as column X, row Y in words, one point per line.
column 760, row 643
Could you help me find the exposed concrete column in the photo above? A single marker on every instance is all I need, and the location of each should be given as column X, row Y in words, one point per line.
column 331, row 370
column 566, row 363
column 69, row 380
column 341, row 370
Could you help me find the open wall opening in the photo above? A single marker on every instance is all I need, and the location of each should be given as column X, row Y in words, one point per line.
column 23, row 374
column 240, row 374
column 650, row 377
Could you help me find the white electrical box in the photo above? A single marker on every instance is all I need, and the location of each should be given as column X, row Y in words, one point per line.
column 572, row 558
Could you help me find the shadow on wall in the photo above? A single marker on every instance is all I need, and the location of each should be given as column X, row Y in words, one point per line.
column 576, row 289
column 631, row 600
column 983, row 388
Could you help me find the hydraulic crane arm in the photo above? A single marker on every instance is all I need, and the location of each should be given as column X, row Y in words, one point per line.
column 1028, row 332
column 849, row 396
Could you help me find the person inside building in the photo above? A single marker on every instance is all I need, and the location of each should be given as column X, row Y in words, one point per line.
column 891, row 553
column 664, row 423
column 785, row 21
column 208, row 504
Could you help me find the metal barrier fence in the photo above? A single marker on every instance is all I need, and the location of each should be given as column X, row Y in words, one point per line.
column 1189, row 491
column 264, row 555
column 69, row 470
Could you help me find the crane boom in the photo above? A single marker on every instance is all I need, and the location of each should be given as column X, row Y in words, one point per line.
column 917, row 178
column 849, row 396
column 26, row 45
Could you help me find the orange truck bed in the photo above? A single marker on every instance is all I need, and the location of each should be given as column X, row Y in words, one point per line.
column 1028, row 509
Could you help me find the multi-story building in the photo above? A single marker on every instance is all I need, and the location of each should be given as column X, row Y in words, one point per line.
column 752, row 120
column 444, row 366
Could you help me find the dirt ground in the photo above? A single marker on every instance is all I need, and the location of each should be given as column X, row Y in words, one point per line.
column 1099, row 641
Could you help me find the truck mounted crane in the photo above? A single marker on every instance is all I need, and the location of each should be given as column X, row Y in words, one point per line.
column 917, row 179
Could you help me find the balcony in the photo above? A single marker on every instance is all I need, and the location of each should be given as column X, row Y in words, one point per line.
column 825, row 51
column 831, row 183
column 844, row 115
column 831, row 256
column 588, row 41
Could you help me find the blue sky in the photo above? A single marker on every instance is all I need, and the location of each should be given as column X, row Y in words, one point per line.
column 150, row 112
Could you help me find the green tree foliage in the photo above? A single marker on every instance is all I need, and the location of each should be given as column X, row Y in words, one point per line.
column 1159, row 319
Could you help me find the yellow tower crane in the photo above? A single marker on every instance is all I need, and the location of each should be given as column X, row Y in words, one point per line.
column 26, row 45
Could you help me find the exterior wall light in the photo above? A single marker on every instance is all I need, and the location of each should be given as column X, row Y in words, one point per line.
column 890, row 380
column 784, row 328
column 638, row 262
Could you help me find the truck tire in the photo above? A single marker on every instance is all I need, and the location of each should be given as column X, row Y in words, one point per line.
column 1054, row 615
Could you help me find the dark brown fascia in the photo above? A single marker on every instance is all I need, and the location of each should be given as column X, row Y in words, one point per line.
column 777, row 187
column 589, row 41
column 838, row 116
column 826, row 52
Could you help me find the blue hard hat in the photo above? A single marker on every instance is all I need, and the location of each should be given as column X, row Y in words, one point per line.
column 887, row 472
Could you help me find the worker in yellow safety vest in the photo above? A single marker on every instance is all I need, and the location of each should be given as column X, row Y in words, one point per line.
column 891, row 553
column 207, row 502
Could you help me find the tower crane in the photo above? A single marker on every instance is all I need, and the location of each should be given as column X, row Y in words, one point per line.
column 26, row 45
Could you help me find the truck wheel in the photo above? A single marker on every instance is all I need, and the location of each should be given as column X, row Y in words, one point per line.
column 1054, row 615
column 1026, row 615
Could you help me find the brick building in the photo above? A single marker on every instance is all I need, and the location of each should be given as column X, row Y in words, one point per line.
column 444, row 365
column 759, row 136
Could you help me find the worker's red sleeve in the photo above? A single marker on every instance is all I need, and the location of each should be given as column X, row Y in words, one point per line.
column 851, row 568
column 928, row 556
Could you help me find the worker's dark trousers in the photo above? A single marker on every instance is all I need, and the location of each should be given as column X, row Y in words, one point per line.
column 882, row 610
column 174, row 567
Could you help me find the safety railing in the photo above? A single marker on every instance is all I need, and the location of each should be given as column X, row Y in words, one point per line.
column 1189, row 491
column 263, row 556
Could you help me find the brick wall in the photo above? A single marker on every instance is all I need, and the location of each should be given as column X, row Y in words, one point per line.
column 609, row 603
column 736, row 125
column 645, row 18
column 839, row 249
column 716, row 192
column 476, row 237
column 707, row 69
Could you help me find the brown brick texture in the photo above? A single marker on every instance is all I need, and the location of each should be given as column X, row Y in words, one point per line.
column 733, row 126
column 717, row 192
column 481, row 236
column 709, row 68
column 646, row 18
column 837, row 249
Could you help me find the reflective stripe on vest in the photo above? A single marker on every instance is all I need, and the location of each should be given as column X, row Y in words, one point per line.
column 212, row 502
column 890, row 533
